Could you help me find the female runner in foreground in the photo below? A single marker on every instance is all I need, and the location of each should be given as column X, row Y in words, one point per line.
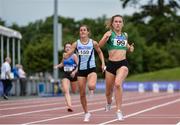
column 117, row 45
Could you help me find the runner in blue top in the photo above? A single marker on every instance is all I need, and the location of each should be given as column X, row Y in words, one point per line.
column 70, row 75
column 86, row 67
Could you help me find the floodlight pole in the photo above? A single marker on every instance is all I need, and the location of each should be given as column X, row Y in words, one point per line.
column 55, row 39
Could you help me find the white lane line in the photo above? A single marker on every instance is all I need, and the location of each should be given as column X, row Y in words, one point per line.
column 46, row 99
column 22, row 101
column 32, row 106
column 27, row 102
column 44, row 110
column 178, row 123
column 58, row 102
column 22, row 107
column 144, row 124
column 100, row 109
column 142, row 111
column 111, row 124
column 157, row 117
column 34, row 100
column 40, row 105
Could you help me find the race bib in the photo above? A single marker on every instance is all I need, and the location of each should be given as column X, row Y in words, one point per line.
column 68, row 68
column 84, row 52
column 120, row 42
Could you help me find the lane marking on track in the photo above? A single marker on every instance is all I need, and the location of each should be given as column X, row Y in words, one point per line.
column 146, row 124
column 40, row 104
column 25, row 100
column 22, row 107
column 50, row 99
column 53, row 99
column 142, row 111
column 39, row 100
column 34, row 101
column 111, row 124
column 101, row 109
column 54, row 103
column 157, row 117
column 50, row 103
column 178, row 123
column 32, row 106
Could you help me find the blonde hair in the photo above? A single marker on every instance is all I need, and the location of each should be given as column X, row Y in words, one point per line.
column 110, row 21
column 8, row 59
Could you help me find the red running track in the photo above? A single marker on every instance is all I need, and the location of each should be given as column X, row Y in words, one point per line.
column 138, row 108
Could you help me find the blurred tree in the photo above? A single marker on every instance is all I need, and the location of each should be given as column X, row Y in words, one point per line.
column 156, row 14
column 2, row 22
column 153, row 39
column 135, row 59
column 38, row 55
column 158, row 23
column 156, row 57
column 173, row 49
column 154, row 7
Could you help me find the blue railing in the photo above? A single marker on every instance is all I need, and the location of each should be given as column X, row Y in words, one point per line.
column 146, row 86
column 45, row 87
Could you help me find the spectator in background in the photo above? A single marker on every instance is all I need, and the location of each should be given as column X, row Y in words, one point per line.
column 22, row 80
column 16, row 76
column 15, row 72
column 6, row 77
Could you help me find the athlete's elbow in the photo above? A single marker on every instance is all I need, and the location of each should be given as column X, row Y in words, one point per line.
column 100, row 45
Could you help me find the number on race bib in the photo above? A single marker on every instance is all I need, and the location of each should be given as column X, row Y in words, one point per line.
column 84, row 52
column 118, row 42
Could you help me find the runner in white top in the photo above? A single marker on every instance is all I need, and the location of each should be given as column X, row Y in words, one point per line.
column 86, row 65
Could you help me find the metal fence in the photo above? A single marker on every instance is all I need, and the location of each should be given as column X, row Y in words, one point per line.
column 45, row 87
column 33, row 87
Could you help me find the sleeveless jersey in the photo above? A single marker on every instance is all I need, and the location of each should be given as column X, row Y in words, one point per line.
column 117, row 42
column 86, row 55
column 69, row 64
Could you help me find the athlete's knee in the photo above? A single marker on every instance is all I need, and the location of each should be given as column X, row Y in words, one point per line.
column 108, row 92
column 82, row 94
column 66, row 91
column 92, row 87
column 118, row 84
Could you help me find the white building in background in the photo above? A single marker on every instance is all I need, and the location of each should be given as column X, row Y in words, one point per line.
column 10, row 38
